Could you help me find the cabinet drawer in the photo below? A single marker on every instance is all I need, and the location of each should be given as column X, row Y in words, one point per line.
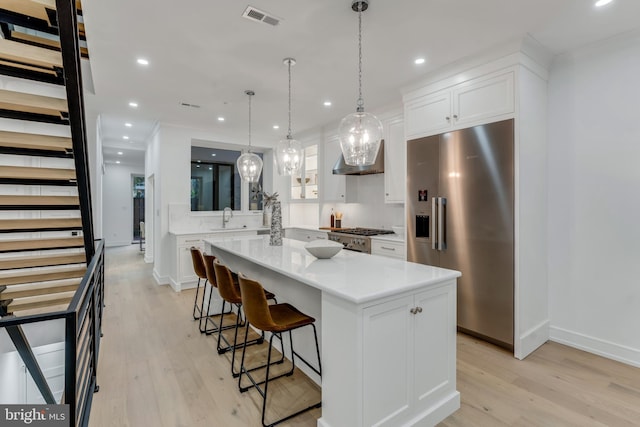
column 386, row 248
column 192, row 240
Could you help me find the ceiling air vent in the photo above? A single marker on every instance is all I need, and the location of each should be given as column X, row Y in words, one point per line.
column 258, row 15
column 186, row 104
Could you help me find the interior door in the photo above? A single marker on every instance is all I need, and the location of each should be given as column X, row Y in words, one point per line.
column 477, row 180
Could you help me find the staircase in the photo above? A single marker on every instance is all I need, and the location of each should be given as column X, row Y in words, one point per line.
column 42, row 227
column 51, row 269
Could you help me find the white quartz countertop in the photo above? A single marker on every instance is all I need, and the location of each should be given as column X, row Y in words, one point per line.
column 353, row 276
column 180, row 232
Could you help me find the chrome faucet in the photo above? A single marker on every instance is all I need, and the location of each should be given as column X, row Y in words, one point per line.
column 225, row 220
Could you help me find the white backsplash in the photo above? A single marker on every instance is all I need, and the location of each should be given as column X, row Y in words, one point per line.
column 181, row 219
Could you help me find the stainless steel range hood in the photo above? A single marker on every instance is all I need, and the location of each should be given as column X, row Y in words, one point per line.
column 341, row 168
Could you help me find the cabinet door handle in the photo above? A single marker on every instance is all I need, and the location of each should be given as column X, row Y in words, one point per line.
column 387, row 248
column 448, row 118
column 455, row 117
column 419, row 309
column 413, row 311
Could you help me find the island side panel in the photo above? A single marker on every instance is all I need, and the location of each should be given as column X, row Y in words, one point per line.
column 342, row 356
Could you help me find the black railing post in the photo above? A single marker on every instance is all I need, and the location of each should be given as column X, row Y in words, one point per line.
column 70, row 365
column 69, row 44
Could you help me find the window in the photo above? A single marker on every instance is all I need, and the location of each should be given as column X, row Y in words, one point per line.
column 215, row 182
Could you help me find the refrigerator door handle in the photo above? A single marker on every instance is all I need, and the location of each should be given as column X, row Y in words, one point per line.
column 442, row 219
column 434, row 231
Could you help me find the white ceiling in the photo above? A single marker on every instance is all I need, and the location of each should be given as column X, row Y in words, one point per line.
column 203, row 52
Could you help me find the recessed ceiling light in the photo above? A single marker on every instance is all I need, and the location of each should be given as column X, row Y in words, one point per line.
column 276, row 127
column 120, row 153
column 118, row 162
column 213, row 154
column 419, row 61
column 199, row 161
column 128, row 125
column 221, row 119
column 133, row 104
column 197, row 166
column 210, row 168
column 143, row 61
column 601, row 3
column 327, row 103
column 125, row 137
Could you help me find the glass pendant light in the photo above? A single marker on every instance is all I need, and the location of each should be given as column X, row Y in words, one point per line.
column 249, row 164
column 289, row 151
column 360, row 132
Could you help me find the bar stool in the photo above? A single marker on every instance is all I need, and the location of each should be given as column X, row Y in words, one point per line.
column 198, row 267
column 230, row 293
column 276, row 319
column 211, row 279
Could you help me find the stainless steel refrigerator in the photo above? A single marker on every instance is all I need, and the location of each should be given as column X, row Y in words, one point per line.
column 460, row 215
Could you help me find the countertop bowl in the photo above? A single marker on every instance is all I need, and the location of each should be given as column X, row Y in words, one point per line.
column 323, row 249
column 398, row 229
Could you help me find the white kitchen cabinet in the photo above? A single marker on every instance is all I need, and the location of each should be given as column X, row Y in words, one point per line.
column 305, row 185
column 334, row 187
column 388, row 248
column 304, row 235
column 481, row 100
column 395, row 164
column 402, row 375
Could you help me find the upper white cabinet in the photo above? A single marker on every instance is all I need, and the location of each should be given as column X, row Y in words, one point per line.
column 334, row 187
column 305, row 185
column 481, row 100
column 394, row 160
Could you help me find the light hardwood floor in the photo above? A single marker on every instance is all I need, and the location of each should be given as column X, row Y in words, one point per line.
column 156, row 369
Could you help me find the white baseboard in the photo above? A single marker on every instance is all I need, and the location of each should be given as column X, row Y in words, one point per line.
column 113, row 244
column 610, row 350
column 174, row 285
column 532, row 339
column 160, row 280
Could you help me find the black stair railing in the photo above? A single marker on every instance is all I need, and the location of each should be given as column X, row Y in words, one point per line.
column 71, row 57
column 83, row 326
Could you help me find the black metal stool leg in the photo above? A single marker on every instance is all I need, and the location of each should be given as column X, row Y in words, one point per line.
column 195, row 303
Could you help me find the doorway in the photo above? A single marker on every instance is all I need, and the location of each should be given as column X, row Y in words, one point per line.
column 138, row 189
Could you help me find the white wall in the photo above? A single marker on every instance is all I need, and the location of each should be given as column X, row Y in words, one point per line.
column 594, row 203
column 118, row 203
column 368, row 209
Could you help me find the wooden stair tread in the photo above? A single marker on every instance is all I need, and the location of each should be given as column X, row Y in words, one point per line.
column 40, row 301
column 34, row 8
column 34, row 141
column 37, row 173
column 42, row 261
column 30, row 290
column 40, row 224
column 43, row 41
column 44, row 275
column 39, row 201
column 29, row 103
column 30, row 55
column 41, row 244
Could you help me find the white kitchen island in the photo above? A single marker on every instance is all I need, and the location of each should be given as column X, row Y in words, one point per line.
column 387, row 328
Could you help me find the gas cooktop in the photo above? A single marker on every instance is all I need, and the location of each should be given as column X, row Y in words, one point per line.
column 363, row 231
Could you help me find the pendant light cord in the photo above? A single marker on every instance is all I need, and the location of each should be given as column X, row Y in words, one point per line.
column 289, row 131
column 250, row 95
column 360, row 103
